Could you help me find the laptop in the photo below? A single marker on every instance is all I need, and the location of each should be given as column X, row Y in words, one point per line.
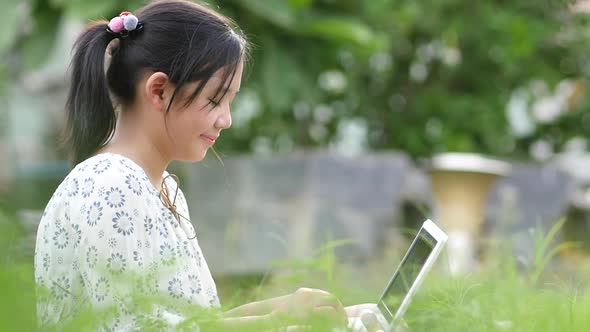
column 418, row 260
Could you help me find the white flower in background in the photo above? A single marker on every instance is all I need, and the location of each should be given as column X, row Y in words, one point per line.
column 576, row 145
column 541, row 150
column 565, row 91
column 380, row 62
column 451, row 56
column 301, row 110
column 547, row 109
column 323, row 113
column 332, row 81
column 351, row 137
column 418, row 72
column 576, row 165
column 247, row 106
column 520, row 122
column 428, row 52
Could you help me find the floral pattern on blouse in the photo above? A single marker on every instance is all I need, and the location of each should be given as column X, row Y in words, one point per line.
column 105, row 236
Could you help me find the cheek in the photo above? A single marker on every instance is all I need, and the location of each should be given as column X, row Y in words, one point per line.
column 180, row 128
column 193, row 124
column 203, row 119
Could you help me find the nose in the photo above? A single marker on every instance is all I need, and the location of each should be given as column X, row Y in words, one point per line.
column 224, row 119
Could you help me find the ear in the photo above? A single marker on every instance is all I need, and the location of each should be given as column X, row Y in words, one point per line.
column 158, row 90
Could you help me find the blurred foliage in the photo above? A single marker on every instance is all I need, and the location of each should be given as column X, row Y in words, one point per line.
column 423, row 77
column 17, row 304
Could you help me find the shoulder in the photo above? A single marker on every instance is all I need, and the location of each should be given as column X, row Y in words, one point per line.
column 107, row 167
column 110, row 169
column 108, row 178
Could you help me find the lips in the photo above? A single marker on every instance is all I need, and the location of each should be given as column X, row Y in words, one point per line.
column 209, row 138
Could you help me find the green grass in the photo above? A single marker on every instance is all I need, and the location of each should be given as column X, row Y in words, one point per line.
column 494, row 303
column 548, row 295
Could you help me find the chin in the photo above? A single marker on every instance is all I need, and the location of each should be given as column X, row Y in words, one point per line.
column 194, row 153
column 192, row 156
column 199, row 156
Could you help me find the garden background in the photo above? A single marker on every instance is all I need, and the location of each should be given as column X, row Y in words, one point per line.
column 372, row 90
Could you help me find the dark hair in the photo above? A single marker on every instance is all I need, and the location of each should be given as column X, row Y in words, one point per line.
column 187, row 41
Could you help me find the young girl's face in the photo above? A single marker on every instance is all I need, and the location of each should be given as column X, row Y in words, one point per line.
column 194, row 129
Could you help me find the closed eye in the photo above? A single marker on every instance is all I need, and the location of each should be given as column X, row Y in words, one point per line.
column 215, row 103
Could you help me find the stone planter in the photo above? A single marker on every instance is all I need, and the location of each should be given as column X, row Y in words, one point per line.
column 461, row 183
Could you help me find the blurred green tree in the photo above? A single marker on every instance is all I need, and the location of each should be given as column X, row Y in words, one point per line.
column 505, row 78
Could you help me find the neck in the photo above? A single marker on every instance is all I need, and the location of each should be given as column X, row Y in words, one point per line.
column 132, row 140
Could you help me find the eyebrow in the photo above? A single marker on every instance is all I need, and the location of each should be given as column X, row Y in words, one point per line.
column 227, row 90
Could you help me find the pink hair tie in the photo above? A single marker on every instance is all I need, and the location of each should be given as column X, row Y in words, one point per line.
column 123, row 24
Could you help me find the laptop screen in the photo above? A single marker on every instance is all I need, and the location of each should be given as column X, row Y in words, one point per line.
column 408, row 272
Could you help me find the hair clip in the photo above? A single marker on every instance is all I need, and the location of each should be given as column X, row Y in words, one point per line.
column 123, row 24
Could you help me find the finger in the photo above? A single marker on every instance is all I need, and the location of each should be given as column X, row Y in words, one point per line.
column 320, row 299
column 331, row 314
column 357, row 326
column 336, row 305
column 370, row 321
column 355, row 310
column 319, row 291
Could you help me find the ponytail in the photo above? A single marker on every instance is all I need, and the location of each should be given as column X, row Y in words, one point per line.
column 186, row 41
column 90, row 116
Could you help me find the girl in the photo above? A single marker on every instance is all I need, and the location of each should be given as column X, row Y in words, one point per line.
column 118, row 226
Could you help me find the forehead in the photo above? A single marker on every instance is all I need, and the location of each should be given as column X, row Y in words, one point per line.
column 218, row 78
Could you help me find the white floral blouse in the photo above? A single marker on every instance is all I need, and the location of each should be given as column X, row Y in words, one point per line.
column 106, row 237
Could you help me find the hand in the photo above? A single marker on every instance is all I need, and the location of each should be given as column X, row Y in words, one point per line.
column 372, row 322
column 354, row 311
column 307, row 303
column 367, row 317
